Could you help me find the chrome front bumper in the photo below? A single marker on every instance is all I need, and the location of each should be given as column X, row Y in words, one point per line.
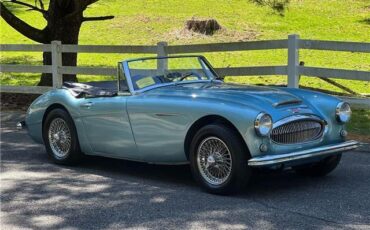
column 269, row 160
column 21, row 125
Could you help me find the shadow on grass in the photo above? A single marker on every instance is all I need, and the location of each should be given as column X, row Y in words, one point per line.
column 24, row 79
column 20, row 59
column 366, row 21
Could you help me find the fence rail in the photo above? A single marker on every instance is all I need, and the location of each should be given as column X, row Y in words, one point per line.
column 293, row 70
column 335, row 73
column 335, row 46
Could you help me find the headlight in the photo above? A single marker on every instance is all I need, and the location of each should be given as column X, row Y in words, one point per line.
column 263, row 124
column 343, row 112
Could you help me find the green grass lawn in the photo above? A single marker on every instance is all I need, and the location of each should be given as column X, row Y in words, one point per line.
column 140, row 22
column 359, row 125
column 360, row 122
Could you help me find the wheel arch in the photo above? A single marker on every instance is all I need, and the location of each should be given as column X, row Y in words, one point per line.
column 51, row 108
column 75, row 154
column 81, row 137
column 206, row 120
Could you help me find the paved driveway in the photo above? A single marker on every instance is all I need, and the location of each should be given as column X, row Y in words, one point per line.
column 105, row 194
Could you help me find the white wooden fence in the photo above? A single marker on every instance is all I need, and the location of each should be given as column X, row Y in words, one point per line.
column 293, row 70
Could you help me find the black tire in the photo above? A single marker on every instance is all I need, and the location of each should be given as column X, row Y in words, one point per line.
column 321, row 168
column 240, row 171
column 73, row 154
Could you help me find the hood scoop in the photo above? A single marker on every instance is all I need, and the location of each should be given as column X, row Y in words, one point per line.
column 287, row 102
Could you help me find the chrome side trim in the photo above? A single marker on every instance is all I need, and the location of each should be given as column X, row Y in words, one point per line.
column 303, row 154
column 166, row 114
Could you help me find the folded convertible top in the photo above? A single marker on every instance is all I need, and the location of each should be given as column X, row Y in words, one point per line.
column 92, row 89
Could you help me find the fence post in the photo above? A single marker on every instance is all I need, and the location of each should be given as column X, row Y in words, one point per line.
column 162, row 64
column 293, row 61
column 56, row 63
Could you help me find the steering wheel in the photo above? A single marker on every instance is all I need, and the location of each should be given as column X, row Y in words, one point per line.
column 173, row 75
column 184, row 76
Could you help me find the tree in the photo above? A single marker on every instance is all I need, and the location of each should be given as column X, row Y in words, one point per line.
column 64, row 19
column 278, row 6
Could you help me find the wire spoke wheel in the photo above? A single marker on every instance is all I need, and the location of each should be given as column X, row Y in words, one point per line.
column 214, row 161
column 59, row 136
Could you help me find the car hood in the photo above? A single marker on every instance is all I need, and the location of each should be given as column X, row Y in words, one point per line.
column 257, row 96
column 269, row 95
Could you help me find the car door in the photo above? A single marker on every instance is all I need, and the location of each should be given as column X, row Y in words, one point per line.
column 159, row 128
column 107, row 126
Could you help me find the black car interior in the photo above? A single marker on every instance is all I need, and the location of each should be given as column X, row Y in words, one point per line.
column 94, row 89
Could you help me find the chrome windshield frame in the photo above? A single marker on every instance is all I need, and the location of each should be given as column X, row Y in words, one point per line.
column 126, row 69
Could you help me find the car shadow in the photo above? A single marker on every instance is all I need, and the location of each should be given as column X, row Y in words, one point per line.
column 172, row 174
column 168, row 175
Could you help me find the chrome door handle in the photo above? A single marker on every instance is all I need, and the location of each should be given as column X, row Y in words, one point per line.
column 86, row 105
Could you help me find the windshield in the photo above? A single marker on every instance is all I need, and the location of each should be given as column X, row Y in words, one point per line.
column 156, row 71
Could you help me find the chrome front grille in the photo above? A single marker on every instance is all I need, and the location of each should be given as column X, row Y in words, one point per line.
column 297, row 131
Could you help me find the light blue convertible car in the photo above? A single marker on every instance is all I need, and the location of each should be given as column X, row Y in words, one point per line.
column 176, row 110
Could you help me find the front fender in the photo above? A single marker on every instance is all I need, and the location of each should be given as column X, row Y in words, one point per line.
column 36, row 112
column 242, row 117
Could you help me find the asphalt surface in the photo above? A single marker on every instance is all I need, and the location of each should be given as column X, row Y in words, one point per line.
column 114, row 194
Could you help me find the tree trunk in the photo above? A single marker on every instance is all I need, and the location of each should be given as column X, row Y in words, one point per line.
column 65, row 30
column 68, row 59
column 46, row 78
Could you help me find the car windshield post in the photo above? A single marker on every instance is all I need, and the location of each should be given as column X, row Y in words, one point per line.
column 122, row 84
column 119, row 74
column 205, row 67
column 126, row 71
column 211, row 70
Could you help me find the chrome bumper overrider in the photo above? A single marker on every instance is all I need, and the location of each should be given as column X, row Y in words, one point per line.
column 303, row 154
column 21, row 125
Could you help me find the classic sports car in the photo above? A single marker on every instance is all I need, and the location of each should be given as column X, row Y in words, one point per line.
column 175, row 110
